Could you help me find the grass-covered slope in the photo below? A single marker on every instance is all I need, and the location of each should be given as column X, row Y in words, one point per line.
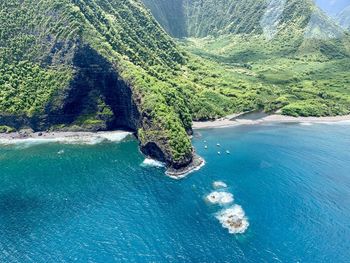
column 285, row 55
column 107, row 64
column 311, row 79
column 87, row 63
column 200, row 18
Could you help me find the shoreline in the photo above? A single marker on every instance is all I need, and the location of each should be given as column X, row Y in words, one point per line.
column 27, row 136
column 240, row 119
column 90, row 138
column 197, row 163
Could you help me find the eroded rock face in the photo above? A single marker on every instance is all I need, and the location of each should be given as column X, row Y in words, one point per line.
column 96, row 80
column 157, row 151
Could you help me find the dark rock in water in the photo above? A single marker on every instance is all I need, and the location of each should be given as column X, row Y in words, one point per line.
column 40, row 134
column 179, row 172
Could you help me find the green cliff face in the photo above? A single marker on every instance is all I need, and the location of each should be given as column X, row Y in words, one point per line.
column 108, row 64
column 105, row 64
column 98, row 64
column 200, row 18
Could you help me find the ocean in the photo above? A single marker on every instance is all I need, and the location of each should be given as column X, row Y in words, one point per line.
column 268, row 193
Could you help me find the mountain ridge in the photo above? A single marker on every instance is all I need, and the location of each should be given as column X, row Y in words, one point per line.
column 198, row 18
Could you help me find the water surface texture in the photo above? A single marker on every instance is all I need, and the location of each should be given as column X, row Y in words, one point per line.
column 98, row 203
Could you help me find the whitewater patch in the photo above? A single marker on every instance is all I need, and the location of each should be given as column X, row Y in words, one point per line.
column 233, row 219
column 220, row 198
column 219, row 184
column 190, row 171
column 305, row 123
column 148, row 162
column 232, row 216
column 67, row 138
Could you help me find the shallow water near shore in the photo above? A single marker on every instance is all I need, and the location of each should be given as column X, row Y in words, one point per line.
column 101, row 203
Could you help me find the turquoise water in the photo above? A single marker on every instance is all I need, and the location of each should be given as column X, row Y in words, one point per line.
column 96, row 203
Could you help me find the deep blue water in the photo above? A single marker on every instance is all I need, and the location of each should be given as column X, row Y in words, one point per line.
column 98, row 204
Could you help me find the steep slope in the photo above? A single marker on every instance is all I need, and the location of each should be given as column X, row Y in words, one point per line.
column 170, row 14
column 107, row 64
column 207, row 17
column 344, row 18
column 288, row 49
column 98, row 64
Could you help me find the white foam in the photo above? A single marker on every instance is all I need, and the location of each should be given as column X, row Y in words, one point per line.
column 219, row 184
column 335, row 122
column 233, row 219
column 148, row 162
column 305, row 123
column 88, row 138
column 184, row 175
column 221, row 198
column 113, row 136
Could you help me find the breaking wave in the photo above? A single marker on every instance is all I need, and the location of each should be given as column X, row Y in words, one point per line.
column 305, row 123
column 79, row 138
column 233, row 219
column 221, row 198
column 148, row 162
column 219, row 184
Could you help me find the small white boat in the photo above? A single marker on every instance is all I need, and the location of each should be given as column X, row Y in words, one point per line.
column 228, row 152
column 218, row 145
column 206, row 147
column 219, row 153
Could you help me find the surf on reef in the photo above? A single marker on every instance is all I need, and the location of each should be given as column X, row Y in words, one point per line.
column 231, row 216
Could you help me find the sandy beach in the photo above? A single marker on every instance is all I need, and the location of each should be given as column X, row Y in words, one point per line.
column 245, row 119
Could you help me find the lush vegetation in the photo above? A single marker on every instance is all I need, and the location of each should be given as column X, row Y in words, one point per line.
column 278, row 76
column 39, row 41
column 300, row 69
column 198, row 18
column 27, row 87
column 38, row 64
column 6, row 129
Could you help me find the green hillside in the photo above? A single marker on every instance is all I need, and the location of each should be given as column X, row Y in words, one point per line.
column 93, row 65
column 201, row 18
column 107, row 64
column 288, row 47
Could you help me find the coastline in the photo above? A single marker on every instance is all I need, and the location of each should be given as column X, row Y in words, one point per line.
column 240, row 119
column 27, row 136
column 197, row 163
